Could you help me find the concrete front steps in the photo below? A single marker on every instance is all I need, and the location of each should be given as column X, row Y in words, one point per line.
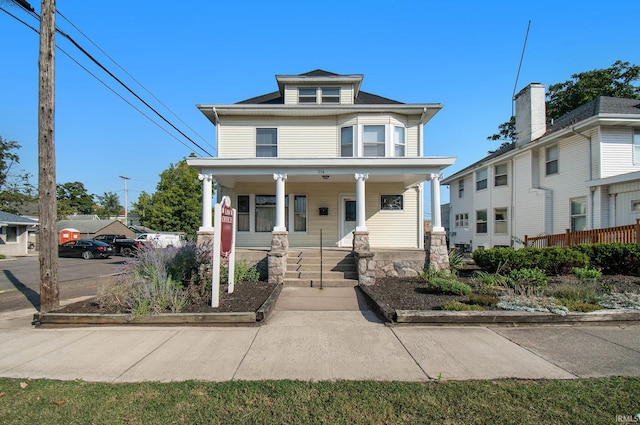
column 303, row 268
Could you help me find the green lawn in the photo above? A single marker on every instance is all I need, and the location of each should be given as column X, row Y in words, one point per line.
column 583, row 401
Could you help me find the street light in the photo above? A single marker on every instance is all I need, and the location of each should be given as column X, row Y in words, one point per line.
column 126, row 218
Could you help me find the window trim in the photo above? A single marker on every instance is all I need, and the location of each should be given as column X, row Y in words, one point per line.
column 238, row 212
column 391, row 210
column 399, row 143
column 484, row 182
column 264, row 145
column 309, row 98
column 635, row 142
column 479, row 222
column 343, row 145
column 377, row 144
column 292, row 212
column 325, row 98
column 550, row 164
column 501, row 175
column 572, row 215
column 504, row 210
column 462, row 220
column 635, row 203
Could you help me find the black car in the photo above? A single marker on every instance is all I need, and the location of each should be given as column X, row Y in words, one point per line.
column 85, row 248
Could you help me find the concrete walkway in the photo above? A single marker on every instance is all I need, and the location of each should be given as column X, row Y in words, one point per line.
column 314, row 334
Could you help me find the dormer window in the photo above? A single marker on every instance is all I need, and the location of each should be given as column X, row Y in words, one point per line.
column 319, row 95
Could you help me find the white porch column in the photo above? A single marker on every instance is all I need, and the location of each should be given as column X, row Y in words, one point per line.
column 207, row 194
column 436, row 220
column 361, row 217
column 280, row 179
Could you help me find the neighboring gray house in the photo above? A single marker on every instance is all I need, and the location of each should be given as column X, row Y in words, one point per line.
column 90, row 228
column 14, row 234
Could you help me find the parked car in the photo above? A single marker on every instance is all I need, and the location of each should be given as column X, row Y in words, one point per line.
column 85, row 248
column 120, row 243
column 162, row 240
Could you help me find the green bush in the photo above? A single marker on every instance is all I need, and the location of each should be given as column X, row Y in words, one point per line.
column 242, row 272
column 448, row 286
column 528, row 281
column 552, row 260
column 577, row 293
column 483, row 300
column 612, row 258
column 580, row 306
column 487, row 282
column 586, row 274
column 458, row 306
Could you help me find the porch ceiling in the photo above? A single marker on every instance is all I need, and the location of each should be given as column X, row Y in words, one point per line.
column 408, row 171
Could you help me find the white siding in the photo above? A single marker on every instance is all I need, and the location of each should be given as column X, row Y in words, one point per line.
column 461, row 205
column 617, row 151
column 529, row 203
column 309, row 138
column 392, row 228
column 621, row 196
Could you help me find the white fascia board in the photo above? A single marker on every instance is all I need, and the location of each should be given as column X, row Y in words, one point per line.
column 620, row 178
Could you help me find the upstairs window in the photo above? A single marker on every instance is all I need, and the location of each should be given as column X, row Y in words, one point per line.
column 481, row 179
column 346, row 141
column 500, row 178
column 636, row 147
column 266, row 142
column 462, row 220
column 330, row 94
column 460, row 188
column 399, row 141
column 374, row 140
column 551, row 160
column 307, row 95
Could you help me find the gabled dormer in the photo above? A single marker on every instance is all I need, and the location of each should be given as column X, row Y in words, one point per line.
column 319, row 88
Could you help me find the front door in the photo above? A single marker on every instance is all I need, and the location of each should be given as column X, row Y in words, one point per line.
column 347, row 220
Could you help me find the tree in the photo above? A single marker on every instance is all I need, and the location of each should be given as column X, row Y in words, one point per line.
column 108, row 205
column 142, row 207
column 176, row 206
column 73, row 198
column 615, row 81
column 15, row 188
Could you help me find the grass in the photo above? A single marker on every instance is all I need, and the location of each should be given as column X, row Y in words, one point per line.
column 590, row 401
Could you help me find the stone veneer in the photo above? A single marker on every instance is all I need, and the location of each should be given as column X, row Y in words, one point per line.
column 277, row 257
column 436, row 246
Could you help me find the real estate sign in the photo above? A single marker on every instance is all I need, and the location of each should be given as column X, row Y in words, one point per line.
column 224, row 228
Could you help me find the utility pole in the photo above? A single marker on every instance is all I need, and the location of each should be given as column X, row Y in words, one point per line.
column 126, row 207
column 48, row 232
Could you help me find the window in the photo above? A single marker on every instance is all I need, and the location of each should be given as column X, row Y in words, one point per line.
column 391, row 202
column 501, row 222
column 330, row 95
column 299, row 213
column 266, row 142
column 12, row 234
column 636, row 147
column 346, row 141
column 265, row 213
column 399, row 141
column 462, row 220
column 481, row 179
column 460, row 188
column 551, row 160
column 500, row 178
column 243, row 213
column 635, row 206
column 481, row 221
column 307, row 94
column 374, row 140
column 578, row 214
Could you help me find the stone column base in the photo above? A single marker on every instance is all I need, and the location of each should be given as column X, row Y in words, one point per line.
column 277, row 257
column 204, row 237
column 361, row 241
column 366, row 268
column 437, row 254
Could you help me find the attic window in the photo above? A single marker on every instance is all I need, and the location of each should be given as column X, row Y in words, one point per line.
column 318, row 95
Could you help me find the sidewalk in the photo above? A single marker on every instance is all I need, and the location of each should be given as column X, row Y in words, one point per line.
column 315, row 335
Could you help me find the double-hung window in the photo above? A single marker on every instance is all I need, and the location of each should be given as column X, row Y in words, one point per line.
column 481, row 179
column 399, row 141
column 266, row 142
column 243, row 213
column 307, row 95
column 636, row 147
column 500, row 178
column 374, row 140
column 300, row 213
column 551, row 160
column 330, row 94
column 578, row 214
column 346, row 141
column 501, row 221
column 481, row 221
column 461, row 188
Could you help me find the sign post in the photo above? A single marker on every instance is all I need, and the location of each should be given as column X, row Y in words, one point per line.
column 223, row 246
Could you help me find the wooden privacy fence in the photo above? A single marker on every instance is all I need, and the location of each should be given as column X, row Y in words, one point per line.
column 619, row 234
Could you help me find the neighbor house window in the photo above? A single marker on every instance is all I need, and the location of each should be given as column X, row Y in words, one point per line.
column 501, row 222
column 346, row 141
column 391, row 202
column 500, row 178
column 635, row 206
column 636, row 146
column 481, row 179
column 551, row 160
column 481, row 221
column 300, row 213
column 374, row 140
column 243, row 213
column 12, row 234
column 462, row 220
column 578, row 214
column 266, row 142
column 330, row 94
column 399, row 141
column 307, row 94
column 460, row 188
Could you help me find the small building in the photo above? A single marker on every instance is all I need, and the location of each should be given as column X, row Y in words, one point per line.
column 14, row 234
column 91, row 228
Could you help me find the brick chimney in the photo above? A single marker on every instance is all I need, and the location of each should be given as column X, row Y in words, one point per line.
column 531, row 113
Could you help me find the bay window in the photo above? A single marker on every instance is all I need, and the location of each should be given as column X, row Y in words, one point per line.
column 374, row 140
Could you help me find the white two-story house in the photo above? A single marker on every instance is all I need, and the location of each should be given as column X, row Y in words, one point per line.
column 320, row 159
column 579, row 172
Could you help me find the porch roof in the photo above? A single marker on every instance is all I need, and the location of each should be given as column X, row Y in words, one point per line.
column 408, row 171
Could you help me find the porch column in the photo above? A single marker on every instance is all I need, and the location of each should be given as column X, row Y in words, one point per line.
column 361, row 217
column 280, row 179
column 207, row 194
column 436, row 220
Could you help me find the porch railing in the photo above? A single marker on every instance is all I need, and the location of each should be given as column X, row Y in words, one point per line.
column 619, row 234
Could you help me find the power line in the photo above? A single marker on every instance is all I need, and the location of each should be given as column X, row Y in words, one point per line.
column 519, row 67
column 30, row 10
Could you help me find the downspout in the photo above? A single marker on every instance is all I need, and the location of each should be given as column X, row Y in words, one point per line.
column 217, row 118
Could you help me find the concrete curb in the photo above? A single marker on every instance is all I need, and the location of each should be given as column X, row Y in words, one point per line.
column 495, row 316
column 53, row 319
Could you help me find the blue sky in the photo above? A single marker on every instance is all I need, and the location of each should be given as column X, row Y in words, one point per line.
column 464, row 55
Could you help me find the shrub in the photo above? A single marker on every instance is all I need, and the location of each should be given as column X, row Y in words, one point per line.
column 587, row 275
column 456, row 261
column 242, row 272
column 432, row 273
column 580, row 306
column 552, row 260
column 483, row 300
column 458, row 306
column 612, row 258
column 487, row 282
column 573, row 293
column 527, row 281
column 448, row 286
